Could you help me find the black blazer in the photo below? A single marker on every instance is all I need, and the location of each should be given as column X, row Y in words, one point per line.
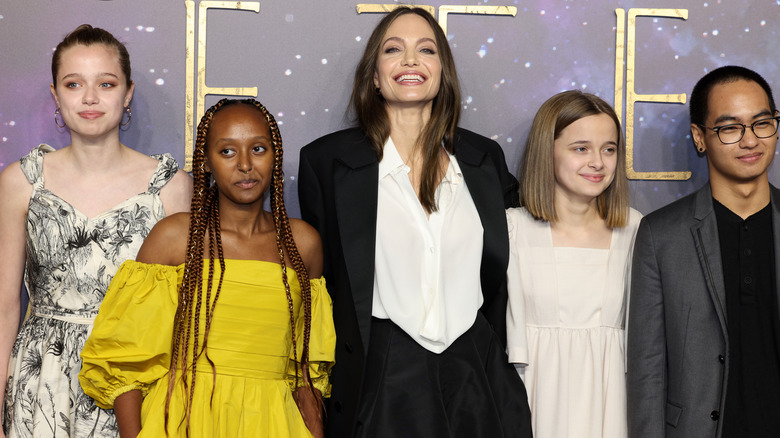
column 337, row 188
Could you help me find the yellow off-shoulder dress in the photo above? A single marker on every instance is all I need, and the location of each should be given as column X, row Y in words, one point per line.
column 250, row 344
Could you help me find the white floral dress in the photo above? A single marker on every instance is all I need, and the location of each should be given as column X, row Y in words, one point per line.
column 71, row 259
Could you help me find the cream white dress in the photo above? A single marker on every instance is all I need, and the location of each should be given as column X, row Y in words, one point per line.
column 565, row 323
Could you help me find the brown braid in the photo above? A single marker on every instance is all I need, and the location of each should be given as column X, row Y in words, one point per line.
column 205, row 223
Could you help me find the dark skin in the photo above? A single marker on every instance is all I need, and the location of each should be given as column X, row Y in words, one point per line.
column 240, row 156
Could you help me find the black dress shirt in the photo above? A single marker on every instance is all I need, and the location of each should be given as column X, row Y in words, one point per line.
column 753, row 387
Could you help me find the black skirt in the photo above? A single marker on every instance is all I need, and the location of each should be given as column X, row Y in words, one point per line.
column 469, row 390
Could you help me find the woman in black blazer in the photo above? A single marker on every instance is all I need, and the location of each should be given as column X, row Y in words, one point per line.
column 411, row 213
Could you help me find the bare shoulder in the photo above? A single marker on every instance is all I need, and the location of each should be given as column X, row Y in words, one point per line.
column 15, row 190
column 309, row 244
column 166, row 244
column 177, row 193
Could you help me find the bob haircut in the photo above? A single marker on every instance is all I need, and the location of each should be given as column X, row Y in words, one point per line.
column 368, row 106
column 86, row 35
column 537, row 167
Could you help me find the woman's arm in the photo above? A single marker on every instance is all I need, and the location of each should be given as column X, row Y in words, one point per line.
column 309, row 401
column 128, row 413
column 15, row 193
column 309, row 245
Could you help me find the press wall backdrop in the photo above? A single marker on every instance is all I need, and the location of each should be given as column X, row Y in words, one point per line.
column 298, row 57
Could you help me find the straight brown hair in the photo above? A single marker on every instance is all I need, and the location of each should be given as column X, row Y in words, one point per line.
column 537, row 168
column 368, row 107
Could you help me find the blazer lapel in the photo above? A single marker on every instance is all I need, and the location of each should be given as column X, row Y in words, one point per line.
column 705, row 236
column 775, row 199
column 356, row 182
column 485, row 188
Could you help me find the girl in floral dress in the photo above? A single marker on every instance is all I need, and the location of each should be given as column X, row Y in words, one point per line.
column 70, row 217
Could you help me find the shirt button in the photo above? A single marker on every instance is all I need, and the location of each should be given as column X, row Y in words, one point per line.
column 748, row 279
column 721, row 358
column 714, row 415
column 747, row 252
column 745, row 227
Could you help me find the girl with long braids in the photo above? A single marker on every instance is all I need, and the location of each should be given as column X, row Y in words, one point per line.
column 222, row 326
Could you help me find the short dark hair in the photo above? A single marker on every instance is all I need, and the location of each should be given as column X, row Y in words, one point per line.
column 86, row 35
column 730, row 73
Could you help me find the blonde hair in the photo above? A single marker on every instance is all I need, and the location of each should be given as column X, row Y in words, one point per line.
column 537, row 167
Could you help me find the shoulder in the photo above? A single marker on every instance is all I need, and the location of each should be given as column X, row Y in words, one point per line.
column 634, row 218
column 15, row 189
column 477, row 141
column 521, row 223
column 472, row 148
column 12, row 177
column 166, row 244
column 177, row 193
column 335, row 142
column 309, row 245
column 675, row 214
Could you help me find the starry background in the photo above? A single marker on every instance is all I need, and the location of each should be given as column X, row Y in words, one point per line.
column 301, row 55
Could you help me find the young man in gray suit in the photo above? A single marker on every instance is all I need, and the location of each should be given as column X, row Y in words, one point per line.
column 703, row 315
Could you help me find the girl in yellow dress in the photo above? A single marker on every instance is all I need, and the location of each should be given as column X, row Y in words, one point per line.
column 210, row 297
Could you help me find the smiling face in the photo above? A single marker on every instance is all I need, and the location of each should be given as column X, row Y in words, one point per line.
column 239, row 154
column 408, row 68
column 91, row 90
column 585, row 158
column 743, row 102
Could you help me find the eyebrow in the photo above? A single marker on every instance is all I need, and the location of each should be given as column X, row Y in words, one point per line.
column 579, row 142
column 729, row 118
column 230, row 139
column 78, row 75
column 399, row 39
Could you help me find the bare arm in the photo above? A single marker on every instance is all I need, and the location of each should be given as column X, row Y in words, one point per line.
column 128, row 413
column 15, row 193
column 309, row 401
column 176, row 195
column 309, row 246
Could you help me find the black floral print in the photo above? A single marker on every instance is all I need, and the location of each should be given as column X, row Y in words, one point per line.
column 71, row 259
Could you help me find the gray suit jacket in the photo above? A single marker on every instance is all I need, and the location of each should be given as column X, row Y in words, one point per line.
column 678, row 345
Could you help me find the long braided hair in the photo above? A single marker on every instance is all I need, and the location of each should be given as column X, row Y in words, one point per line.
column 205, row 223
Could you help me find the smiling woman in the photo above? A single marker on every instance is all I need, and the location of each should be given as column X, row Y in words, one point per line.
column 411, row 211
column 70, row 217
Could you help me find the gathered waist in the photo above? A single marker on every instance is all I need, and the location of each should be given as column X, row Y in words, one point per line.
column 573, row 329
column 85, row 319
column 244, row 364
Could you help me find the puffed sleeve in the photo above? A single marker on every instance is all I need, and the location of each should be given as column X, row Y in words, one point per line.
column 322, row 340
column 130, row 344
column 517, row 344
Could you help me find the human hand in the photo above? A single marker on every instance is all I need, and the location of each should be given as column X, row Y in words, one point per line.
column 309, row 401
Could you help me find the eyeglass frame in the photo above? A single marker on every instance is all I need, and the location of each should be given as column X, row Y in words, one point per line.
column 744, row 128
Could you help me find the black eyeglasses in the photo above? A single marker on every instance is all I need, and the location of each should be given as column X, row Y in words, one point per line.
column 734, row 132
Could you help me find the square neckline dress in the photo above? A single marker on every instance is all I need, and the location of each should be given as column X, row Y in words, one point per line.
column 566, row 323
column 71, row 260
